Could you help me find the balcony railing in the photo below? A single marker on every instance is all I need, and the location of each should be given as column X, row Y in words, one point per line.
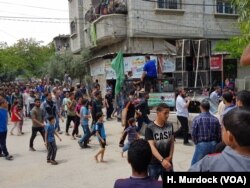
column 105, row 8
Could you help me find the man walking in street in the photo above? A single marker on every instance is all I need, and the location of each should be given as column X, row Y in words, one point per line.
column 206, row 132
column 37, row 123
column 182, row 115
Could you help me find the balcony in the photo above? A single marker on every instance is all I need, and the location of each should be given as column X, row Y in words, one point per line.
column 99, row 9
column 109, row 29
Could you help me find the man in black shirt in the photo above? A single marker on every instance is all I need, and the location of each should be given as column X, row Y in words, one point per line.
column 159, row 134
column 143, row 111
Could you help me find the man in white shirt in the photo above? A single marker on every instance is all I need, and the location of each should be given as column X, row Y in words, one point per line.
column 182, row 114
column 215, row 95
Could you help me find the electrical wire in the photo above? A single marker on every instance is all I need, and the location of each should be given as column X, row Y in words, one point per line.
column 30, row 6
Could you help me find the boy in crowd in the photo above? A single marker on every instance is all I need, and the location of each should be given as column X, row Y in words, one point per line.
column 132, row 134
column 101, row 135
column 159, row 135
column 50, row 140
column 236, row 156
column 3, row 129
column 139, row 157
column 84, row 116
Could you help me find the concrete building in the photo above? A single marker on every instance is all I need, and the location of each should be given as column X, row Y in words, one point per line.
column 62, row 43
column 157, row 28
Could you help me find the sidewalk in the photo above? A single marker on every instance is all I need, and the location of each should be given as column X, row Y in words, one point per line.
column 77, row 167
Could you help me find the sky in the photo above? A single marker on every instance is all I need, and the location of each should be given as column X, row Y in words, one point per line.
column 39, row 19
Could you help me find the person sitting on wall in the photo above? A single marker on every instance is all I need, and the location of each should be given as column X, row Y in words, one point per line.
column 149, row 74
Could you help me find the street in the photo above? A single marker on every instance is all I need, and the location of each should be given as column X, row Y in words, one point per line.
column 77, row 167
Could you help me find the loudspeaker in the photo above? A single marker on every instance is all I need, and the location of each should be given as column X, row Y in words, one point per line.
column 204, row 47
column 187, row 64
column 178, row 79
column 187, row 47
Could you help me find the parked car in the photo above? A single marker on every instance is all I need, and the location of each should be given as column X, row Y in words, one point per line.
column 193, row 110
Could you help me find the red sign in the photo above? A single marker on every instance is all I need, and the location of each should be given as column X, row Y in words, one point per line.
column 216, row 62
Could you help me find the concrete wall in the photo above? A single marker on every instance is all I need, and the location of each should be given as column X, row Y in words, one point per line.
column 75, row 14
column 243, row 71
column 192, row 21
column 110, row 28
column 100, row 75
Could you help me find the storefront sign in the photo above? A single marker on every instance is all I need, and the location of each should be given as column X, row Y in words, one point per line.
column 157, row 98
column 166, row 64
column 97, row 69
column 136, row 64
column 216, row 62
column 110, row 73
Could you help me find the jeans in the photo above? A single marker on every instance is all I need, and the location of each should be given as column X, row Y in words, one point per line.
column 34, row 132
column 202, row 149
column 109, row 111
column 69, row 119
column 183, row 129
column 156, row 170
column 76, row 126
column 86, row 135
column 57, row 125
column 3, row 148
column 52, row 149
column 126, row 147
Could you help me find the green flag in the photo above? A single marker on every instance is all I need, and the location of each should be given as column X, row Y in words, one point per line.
column 118, row 65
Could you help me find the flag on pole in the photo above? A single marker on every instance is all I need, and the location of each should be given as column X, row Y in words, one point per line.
column 118, row 66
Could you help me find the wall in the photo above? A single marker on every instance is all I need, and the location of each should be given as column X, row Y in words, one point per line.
column 144, row 19
column 243, row 71
column 100, row 74
column 75, row 14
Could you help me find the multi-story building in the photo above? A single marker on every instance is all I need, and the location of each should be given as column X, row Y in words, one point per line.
column 62, row 43
column 157, row 28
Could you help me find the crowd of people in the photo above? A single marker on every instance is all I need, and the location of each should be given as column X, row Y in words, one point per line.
column 47, row 104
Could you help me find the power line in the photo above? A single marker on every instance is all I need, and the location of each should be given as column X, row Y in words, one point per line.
column 30, row 6
column 12, row 36
column 61, row 20
column 36, row 21
column 33, row 18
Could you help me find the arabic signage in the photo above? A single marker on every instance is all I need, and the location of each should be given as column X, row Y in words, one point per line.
column 97, row 69
column 110, row 73
column 136, row 64
column 166, row 64
column 156, row 98
column 216, row 62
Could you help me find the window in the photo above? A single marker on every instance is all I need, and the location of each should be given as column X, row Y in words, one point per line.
column 169, row 4
column 73, row 27
column 225, row 7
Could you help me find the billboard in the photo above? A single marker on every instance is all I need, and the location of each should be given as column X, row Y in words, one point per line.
column 157, row 98
column 216, row 62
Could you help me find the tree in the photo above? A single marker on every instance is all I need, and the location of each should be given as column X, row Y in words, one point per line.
column 73, row 64
column 236, row 44
column 26, row 58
